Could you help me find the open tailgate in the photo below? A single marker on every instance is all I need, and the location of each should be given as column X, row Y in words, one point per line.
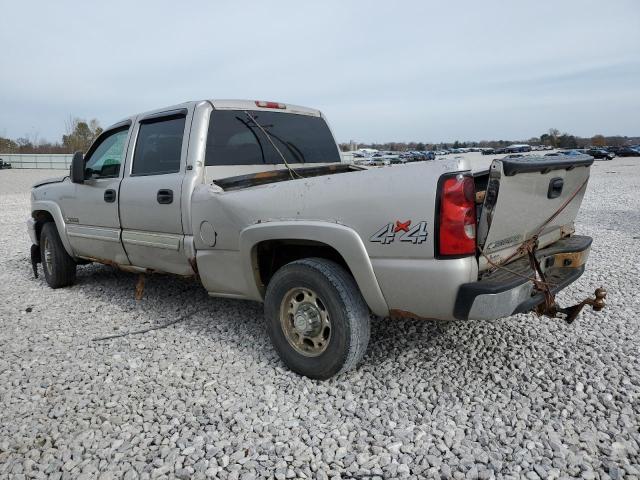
column 524, row 193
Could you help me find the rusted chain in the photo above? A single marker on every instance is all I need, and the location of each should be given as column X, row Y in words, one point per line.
column 502, row 267
column 529, row 246
column 522, row 247
column 562, row 207
column 149, row 329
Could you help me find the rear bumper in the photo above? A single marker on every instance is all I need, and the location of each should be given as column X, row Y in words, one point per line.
column 500, row 293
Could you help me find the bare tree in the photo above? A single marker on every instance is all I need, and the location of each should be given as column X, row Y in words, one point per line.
column 80, row 134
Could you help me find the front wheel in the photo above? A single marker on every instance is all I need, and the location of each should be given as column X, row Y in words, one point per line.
column 59, row 268
column 317, row 319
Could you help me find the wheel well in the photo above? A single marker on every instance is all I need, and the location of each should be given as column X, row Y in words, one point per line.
column 270, row 255
column 41, row 217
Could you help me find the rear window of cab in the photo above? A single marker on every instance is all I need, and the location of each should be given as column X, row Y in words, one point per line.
column 239, row 137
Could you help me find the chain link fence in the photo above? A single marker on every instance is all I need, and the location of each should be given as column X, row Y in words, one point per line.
column 45, row 161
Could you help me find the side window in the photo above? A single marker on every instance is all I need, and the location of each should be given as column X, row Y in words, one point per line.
column 105, row 157
column 159, row 146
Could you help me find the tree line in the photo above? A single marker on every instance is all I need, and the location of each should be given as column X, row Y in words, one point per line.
column 78, row 136
column 553, row 138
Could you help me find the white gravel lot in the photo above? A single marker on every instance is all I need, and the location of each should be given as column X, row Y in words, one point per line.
column 522, row 397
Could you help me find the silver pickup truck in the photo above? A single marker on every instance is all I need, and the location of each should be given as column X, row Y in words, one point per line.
column 252, row 199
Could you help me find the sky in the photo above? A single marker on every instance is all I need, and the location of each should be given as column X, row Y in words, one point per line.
column 381, row 71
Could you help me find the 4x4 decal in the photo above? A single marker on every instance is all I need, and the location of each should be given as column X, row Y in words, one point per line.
column 403, row 231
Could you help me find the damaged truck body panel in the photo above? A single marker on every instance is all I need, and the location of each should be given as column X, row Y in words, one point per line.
column 321, row 208
column 522, row 195
column 252, row 199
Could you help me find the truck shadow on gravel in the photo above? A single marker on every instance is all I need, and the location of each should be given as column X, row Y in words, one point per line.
column 165, row 291
column 230, row 321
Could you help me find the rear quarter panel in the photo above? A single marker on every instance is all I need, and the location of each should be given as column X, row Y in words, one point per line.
column 364, row 201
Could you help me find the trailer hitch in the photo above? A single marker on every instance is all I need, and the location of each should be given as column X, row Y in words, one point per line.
column 550, row 307
column 569, row 314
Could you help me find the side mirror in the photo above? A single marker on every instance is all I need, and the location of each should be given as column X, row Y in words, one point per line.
column 77, row 168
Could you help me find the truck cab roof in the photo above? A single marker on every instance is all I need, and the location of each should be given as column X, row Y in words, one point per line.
column 229, row 104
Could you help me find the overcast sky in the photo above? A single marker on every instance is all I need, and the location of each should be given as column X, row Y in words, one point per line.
column 381, row 71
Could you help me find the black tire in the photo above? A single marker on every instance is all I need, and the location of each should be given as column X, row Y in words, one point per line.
column 339, row 297
column 59, row 268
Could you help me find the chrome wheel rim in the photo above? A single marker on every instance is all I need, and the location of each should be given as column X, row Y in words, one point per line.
column 48, row 255
column 305, row 321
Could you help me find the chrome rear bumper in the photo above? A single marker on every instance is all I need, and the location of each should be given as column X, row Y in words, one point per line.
column 501, row 293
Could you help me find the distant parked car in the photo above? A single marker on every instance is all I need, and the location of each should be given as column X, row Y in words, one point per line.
column 616, row 149
column 628, row 152
column 518, row 148
column 571, row 152
column 413, row 156
column 600, row 154
column 488, row 151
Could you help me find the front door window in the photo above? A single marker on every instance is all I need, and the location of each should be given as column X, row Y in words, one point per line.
column 105, row 156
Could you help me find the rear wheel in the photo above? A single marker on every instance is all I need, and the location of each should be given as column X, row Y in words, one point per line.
column 59, row 268
column 317, row 319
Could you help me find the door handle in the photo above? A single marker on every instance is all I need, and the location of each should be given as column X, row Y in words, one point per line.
column 110, row 195
column 165, row 196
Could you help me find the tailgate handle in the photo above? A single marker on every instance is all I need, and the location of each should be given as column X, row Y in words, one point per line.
column 555, row 187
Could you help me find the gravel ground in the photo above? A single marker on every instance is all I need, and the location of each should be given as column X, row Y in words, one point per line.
column 517, row 398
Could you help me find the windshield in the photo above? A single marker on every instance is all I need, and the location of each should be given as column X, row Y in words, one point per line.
column 237, row 137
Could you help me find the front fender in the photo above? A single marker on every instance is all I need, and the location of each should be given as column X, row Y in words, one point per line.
column 343, row 239
column 56, row 213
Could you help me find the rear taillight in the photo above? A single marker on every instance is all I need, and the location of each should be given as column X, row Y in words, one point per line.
column 264, row 104
column 457, row 216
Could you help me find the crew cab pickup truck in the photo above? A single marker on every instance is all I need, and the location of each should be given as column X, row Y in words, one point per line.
column 252, row 199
